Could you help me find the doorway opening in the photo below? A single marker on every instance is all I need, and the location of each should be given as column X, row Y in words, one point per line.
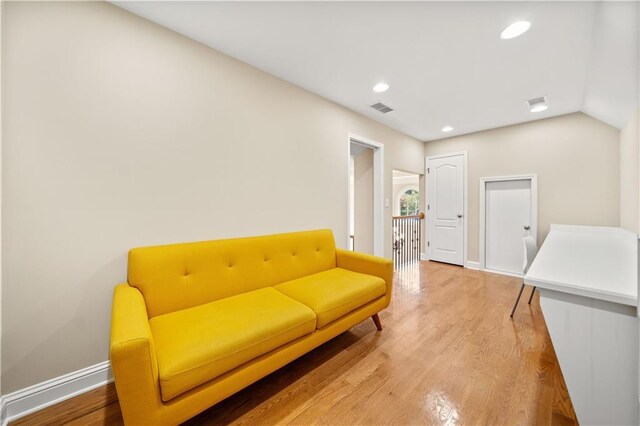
column 365, row 196
column 407, row 218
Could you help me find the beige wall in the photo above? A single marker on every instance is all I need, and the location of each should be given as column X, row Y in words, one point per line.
column 1, row 131
column 120, row 133
column 629, row 175
column 363, row 201
column 575, row 157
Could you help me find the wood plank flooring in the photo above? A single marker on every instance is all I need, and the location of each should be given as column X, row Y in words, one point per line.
column 448, row 354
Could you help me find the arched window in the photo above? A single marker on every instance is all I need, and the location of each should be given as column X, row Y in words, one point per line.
column 409, row 202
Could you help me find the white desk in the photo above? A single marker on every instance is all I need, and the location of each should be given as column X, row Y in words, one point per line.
column 588, row 293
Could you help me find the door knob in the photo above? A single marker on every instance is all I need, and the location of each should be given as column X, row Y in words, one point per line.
column 459, row 216
column 527, row 227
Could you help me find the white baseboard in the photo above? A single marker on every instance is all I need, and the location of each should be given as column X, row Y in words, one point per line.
column 472, row 265
column 476, row 266
column 508, row 274
column 468, row 264
column 3, row 412
column 29, row 400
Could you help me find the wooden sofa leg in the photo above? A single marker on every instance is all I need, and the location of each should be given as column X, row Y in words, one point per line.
column 376, row 320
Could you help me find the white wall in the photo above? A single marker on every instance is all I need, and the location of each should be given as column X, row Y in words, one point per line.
column 613, row 87
column 576, row 158
column 630, row 175
column 120, row 133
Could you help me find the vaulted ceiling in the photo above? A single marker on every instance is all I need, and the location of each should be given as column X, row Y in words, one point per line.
column 444, row 61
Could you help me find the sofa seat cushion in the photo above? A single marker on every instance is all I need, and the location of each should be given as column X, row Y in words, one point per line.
column 334, row 293
column 198, row 344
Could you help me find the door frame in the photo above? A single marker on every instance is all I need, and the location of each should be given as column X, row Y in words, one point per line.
column 482, row 221
column 465, row 198
column 378, row 190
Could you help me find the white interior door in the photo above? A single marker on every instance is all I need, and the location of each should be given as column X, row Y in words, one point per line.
column 445, row 209
column 508, row 218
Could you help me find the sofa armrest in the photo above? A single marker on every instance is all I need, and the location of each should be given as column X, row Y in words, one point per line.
column 133, row 357
column 367, row 264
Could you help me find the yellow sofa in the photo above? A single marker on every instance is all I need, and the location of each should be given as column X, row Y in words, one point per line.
column 197, row 322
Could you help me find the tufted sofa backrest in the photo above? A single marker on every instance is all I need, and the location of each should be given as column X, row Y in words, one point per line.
column 180, row 276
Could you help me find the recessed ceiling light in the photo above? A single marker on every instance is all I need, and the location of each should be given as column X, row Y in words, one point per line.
column 539, row 108
column 381, row 87
column 447, row 129
column 516, row 29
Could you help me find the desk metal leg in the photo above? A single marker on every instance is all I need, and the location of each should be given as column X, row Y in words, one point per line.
column 517, row 300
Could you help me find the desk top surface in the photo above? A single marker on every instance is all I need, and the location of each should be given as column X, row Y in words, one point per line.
column 591, row 261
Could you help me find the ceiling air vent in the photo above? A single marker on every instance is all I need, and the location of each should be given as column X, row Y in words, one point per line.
column 381, row 107
column 536, row 102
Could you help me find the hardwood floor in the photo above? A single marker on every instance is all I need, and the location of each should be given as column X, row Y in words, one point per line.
column 96, row 407
column 449, row 354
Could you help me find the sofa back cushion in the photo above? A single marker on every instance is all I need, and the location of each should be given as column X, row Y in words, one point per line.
column 180, row 276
